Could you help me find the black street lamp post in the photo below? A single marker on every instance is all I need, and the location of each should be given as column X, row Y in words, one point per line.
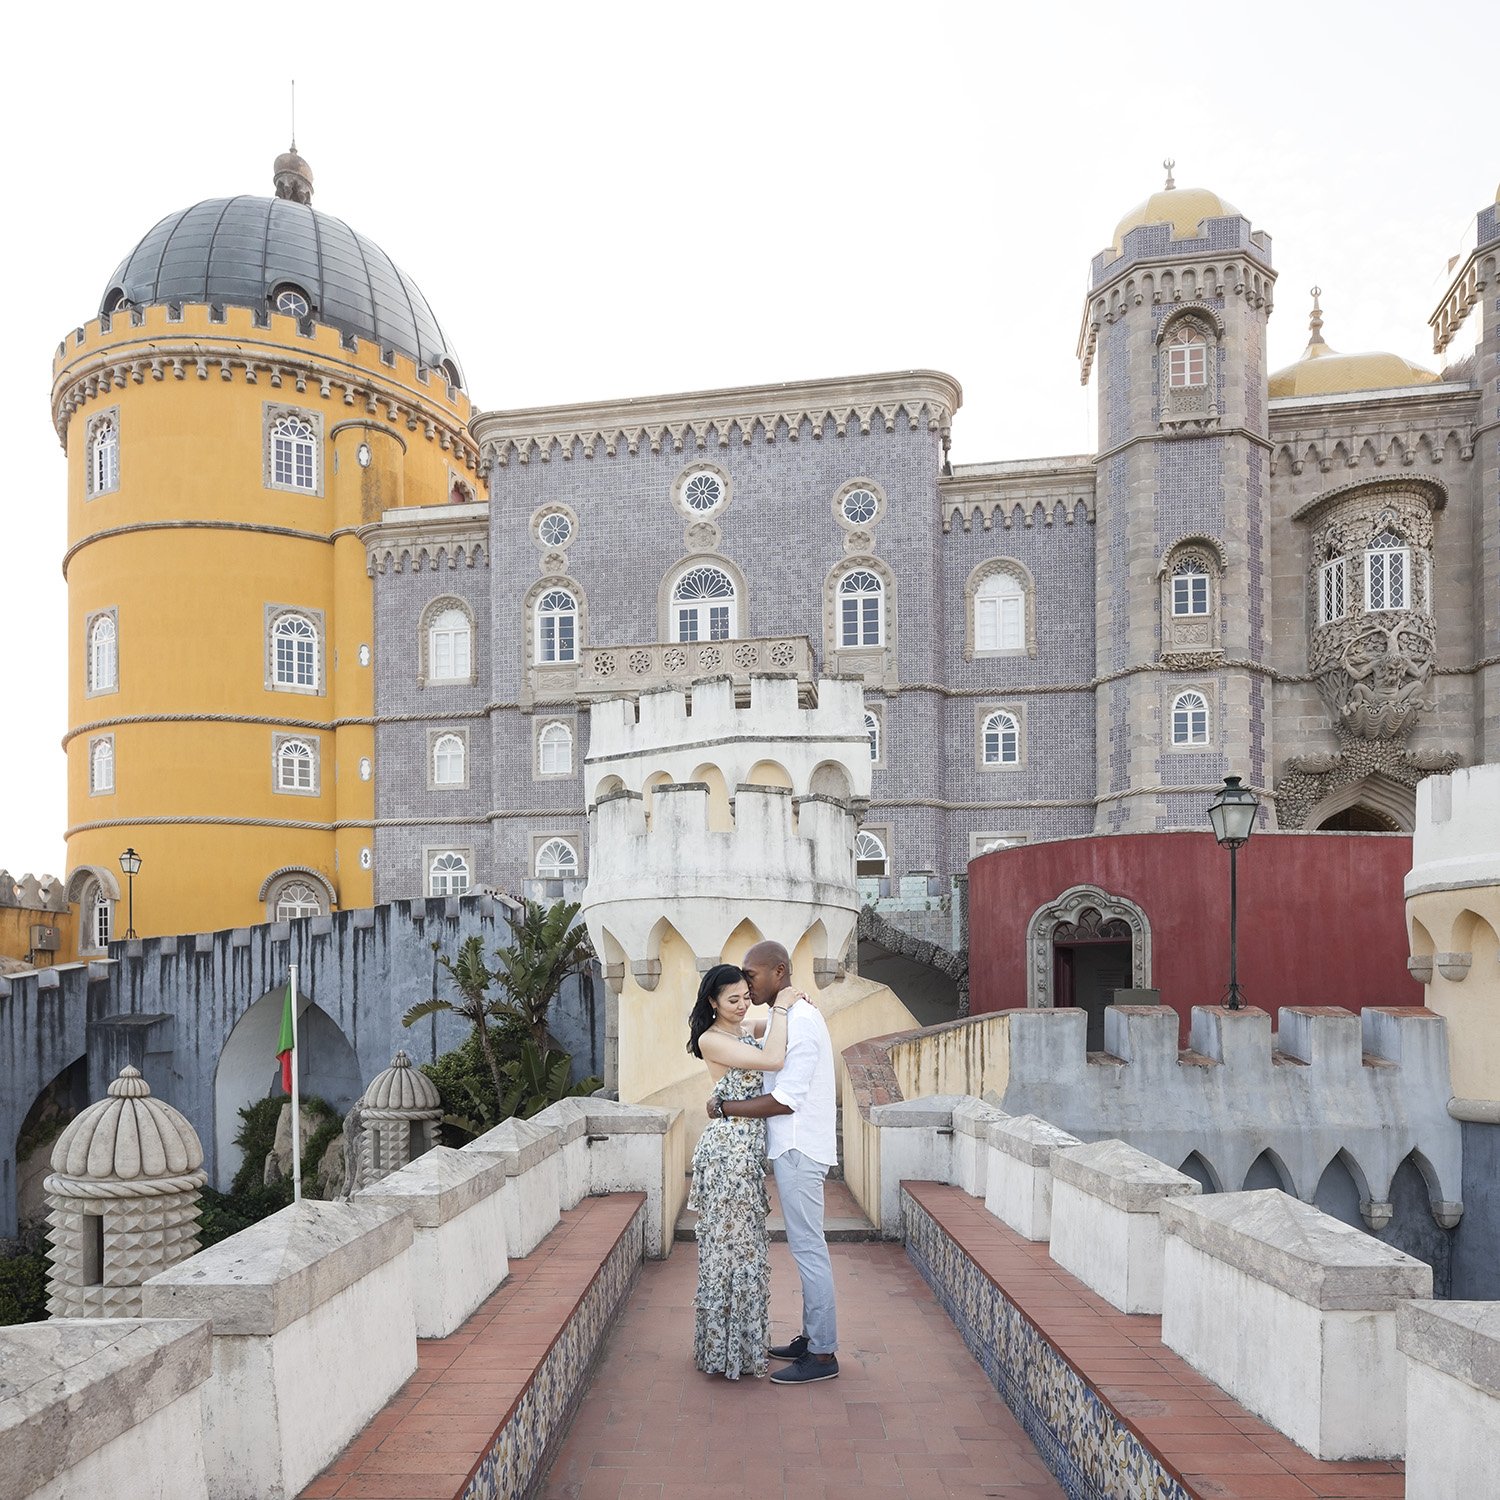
column 130, row 863
column 1231, row 815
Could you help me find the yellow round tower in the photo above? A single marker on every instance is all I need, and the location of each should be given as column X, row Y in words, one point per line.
column 260, row 383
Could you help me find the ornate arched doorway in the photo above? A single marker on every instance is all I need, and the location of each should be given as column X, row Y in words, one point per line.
column 1081, row 948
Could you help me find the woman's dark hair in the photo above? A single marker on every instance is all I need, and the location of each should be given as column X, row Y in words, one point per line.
column 715, row 982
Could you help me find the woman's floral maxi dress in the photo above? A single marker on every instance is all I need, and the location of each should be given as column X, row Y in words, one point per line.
column 733, row 1304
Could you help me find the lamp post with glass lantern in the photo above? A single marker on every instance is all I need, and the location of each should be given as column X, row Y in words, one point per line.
column 130, row 863
column 1231, row 815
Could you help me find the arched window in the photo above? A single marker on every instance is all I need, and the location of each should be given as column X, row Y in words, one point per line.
column 1190, row 719
column 557, row 627
column 450, row 647
column 1387, row 573
column 1000, row 614
column 448, row 760
column 102, row 765
column 296, row 766
column 555, row 750
column 297, row 899
column 294, row 652
column 1190, row 588
column 104, row 456
column 1000, row 739
column 1187, row 358
column 450, row 875
column 103, row 655
column 872, row 730
column 861, row 609
column 557, row 859
column 870, row 858
column 703, row 606
column 294, row 454
column 100, row 914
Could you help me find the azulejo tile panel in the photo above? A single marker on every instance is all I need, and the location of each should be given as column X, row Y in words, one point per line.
column 1094, row 1455
column 520, row 1450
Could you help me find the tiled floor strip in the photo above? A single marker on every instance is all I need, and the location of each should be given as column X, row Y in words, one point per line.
column 1114, row 1411
column 489, row 1403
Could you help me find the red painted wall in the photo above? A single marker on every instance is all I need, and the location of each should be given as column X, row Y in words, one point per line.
column 1322, row 915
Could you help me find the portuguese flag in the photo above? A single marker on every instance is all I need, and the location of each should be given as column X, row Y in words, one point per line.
column 286, row 1043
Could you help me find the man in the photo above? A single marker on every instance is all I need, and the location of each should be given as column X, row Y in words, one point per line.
column 798, row 1106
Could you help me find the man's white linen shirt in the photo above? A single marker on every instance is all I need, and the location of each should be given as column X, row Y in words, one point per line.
column 805, row 1085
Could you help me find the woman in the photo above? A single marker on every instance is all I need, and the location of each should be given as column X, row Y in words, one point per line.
column 729, row 1180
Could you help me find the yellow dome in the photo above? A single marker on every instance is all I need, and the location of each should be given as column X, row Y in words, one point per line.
column 1322, row 371
column 1183, row 208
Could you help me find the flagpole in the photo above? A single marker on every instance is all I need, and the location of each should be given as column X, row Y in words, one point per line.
column 296, row 1097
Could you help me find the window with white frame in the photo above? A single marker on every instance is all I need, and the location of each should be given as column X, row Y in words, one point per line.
column 102, row 765
column 104, row 673
column 858, row 507
column 101, row 918
column 448, row 760
column 450, row 639
column 1000, row 614
column 294, row 653
column 294, row 453
column 1187, row 359
column 556, row 627
column 555, row 529
column 1332, row 603
column 872, row 731
column 1190, row 719
column 1387, row 574
column 703, row 492
column 555, row 750
column 448, row 875
column 1190, row 587
column 870, row 857
column 297, row 899
column 861, row 609
column 1000, row 739
column 293, row 301
column 104, row 456
column 557, row 859
column 703, row 606
column 296, row 766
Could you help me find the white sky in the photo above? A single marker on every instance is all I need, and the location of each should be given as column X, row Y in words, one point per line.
column 610, row 200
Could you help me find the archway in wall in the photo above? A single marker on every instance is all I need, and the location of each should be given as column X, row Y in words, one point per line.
column 1359, row 819
column 54, row 1106
column 1267, row 1171
column 1197, row 1167
column 248, row 1069
column 1082, row 947
column 740, row 942
column 720, row 812
column 1374, row 804
column 1338, row 1194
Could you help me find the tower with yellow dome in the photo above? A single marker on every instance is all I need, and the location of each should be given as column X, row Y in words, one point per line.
column 260, row 383
column 1175, row 327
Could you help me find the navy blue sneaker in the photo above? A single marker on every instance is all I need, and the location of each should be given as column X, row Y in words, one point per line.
column 806, row 1370
column 794, row 1350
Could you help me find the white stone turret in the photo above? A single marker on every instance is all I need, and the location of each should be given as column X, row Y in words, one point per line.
column 399, row 1116
column 124, row 1199
column 714, row 826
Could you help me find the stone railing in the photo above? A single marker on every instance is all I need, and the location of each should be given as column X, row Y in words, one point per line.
column 608, row 671
column 1452, row 1354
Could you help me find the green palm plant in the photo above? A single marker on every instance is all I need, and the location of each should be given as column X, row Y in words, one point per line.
column 471, row 978
column 548, row 944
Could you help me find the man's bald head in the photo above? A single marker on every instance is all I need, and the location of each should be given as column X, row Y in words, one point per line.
column 768, row 970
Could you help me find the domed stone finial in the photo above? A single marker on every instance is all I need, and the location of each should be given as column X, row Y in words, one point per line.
column 292, row 176
column 1315, row 318
column 1169, row 163
column 129, row 1085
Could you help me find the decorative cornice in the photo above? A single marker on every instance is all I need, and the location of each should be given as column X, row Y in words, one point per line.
column 428, row 538
column 1433, row 491
column 1467, row 288
column 674, row 423
column 1026, row 491
column 1366, row 440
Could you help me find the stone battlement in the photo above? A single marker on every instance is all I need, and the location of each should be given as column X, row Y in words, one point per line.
column 32, row 892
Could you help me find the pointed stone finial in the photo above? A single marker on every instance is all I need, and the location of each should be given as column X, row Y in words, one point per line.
column 1315, row 318
column 129, row 1085
column 292, row 176
column 1169, row 163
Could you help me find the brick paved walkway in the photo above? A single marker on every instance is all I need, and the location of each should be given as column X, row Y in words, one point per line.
column 912, row 1415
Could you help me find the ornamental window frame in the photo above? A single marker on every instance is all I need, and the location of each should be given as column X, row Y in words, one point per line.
column 101, row 766
column 531, row 623
column 851, row 486
column 1191, row 590
column 1388, row 568
column 98, row 911
column 286, row 764
column 101, row 454
column 1187, row 356
column 101, row 652
column 875, row 734
column 980, row 577
column 450, row 866
column 1199, row 632
column 862, row 588
column 295, row 900
column 428, row 644
column 683, row 486
column 542, row 522
column 1178, row 705
column 275, row 416
column 866, row 841
column 706, row 608
column 275, row 885
column 278, row 615
column 1333, row 590
column 998, row 721
column 546, row 742
column 442, row 746
column 542, row 843
column 555, row 623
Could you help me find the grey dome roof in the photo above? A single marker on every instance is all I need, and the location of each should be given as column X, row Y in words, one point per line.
column 241, row 250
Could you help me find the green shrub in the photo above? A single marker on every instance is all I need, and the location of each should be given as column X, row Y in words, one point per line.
column 223, row 1214
column 23, row 1276
column 463, row 1079
column 257, row 1138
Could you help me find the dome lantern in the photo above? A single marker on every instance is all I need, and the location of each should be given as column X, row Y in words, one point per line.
column 399, row 1115
column 1184, row 209
column 293, row 177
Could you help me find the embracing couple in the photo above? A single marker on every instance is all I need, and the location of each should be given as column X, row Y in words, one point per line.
column 771, row 1061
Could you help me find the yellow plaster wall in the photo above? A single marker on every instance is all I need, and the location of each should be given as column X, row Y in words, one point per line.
column 189, row 550
column 1464, row 921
